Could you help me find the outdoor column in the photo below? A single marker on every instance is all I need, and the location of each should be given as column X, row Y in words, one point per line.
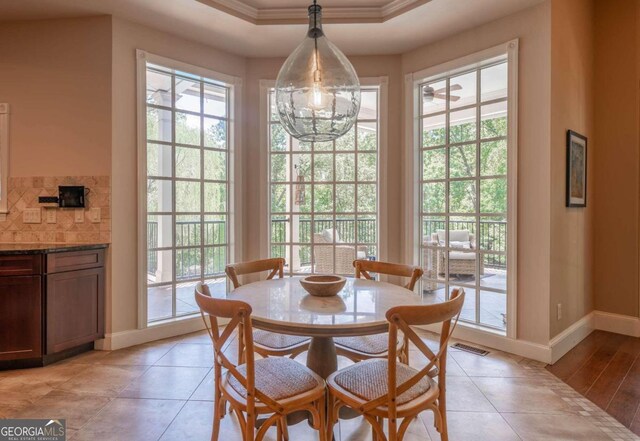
column 164, row 272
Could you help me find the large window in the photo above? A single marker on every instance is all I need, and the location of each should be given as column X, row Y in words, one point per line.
column 323, row 197
column 187, row 155
column 463, row 188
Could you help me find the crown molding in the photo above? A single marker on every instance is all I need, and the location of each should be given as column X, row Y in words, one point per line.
column 275, row 16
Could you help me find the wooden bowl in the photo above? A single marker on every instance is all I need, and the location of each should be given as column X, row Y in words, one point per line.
column 323, row 286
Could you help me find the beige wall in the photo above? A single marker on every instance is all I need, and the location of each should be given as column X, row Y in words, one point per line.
column 532, row 27
column 91, row 116
column 616, row 194
column 572, row 23
column 56, row 76
column 127, row 37
column 366, row 66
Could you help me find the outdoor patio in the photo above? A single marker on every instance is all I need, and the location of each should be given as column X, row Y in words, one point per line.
column 493, row 305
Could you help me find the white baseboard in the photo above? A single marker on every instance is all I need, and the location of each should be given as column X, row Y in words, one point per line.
column 618, row 323
column 570, row 337
column 534, row 351
column 557, row 347
column 124, row 339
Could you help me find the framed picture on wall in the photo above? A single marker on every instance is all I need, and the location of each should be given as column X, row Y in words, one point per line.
column 576, row 169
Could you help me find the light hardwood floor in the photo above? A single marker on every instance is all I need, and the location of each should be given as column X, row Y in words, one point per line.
column 605, row 367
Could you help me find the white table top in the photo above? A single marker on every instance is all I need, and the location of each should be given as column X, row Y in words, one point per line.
column 282, row 305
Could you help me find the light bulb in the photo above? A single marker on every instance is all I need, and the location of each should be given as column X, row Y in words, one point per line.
column 317, row 90
column 316, row 95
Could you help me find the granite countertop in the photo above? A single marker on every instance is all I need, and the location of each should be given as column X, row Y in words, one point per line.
column 44, row 248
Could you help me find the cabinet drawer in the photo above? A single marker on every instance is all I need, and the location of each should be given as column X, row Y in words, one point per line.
column 20, row 265
column 74, row 260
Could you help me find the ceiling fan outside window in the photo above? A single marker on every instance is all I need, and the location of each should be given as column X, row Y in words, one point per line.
column 429, row 93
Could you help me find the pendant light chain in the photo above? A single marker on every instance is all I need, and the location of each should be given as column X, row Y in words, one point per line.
column 316, row 74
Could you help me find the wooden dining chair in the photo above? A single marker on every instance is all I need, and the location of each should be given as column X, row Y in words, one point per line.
column 375, row 346
column 274, row 387
column 268, row 343
column 387, row 389
column 274, row 266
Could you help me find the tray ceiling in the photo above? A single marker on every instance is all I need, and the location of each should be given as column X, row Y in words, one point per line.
column 269, row 12
column 194, row 20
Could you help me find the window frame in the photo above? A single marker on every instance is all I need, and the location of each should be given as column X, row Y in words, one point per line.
column 4, row 160
column 234, row 201
column 412, row 166
column 382, row 182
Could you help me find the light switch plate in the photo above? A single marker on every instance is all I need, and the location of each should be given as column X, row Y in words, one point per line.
column 78, row 215
column 32, row 216
column 94, row 215
column 50, row 215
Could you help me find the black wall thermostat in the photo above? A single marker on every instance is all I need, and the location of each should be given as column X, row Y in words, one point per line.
column 71, row 196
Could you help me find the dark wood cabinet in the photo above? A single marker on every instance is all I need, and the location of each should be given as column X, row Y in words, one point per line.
column 51, row 304
column 20, row 265
column 20, row 317
column 78, row 294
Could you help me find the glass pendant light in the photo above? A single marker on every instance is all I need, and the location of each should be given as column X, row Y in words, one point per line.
column 317, row 90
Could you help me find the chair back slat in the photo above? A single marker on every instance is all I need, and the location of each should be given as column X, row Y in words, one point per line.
column 363, row 268
column 400, row 319
column 274, row 265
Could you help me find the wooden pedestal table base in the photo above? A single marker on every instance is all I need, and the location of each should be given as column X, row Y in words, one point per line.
column 322, row 358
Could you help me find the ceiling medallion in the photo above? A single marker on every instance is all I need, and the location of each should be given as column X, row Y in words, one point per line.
column 317, row 89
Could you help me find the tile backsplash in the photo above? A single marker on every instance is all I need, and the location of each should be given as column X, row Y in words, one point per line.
column 23, row 193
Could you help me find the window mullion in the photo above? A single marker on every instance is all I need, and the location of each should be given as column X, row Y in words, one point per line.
column 202, row 200
column 173, row 197
column 478, row 195
column 447, row 219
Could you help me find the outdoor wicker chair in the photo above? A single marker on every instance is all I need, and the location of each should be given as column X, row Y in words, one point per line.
column 344, row 254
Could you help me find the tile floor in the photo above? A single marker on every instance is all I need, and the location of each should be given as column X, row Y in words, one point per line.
column 163, row 391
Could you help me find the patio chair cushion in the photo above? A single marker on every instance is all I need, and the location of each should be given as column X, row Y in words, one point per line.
column 277, row 377
column 459, row 255
column 361, row 255
column 274, row 340
column 460, row 244
column 369, row 380
column 329, row 234
column 454, row 236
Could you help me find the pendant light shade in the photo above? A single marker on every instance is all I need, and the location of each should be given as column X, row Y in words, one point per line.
column 317, row 90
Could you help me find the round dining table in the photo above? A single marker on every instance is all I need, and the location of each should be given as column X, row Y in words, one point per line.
column 283, row 306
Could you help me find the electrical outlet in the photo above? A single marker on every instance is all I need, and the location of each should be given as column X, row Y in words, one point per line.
column 50, row 215
column 94, row 215
column 32, row 216
column 78, row 215
column 559, row 311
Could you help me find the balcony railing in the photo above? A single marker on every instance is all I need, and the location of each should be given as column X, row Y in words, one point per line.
column 492, row 237
column 188, row 261
column 346, row 228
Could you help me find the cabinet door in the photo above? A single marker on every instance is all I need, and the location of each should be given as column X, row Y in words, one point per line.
column 20, row 317
column 75, row 308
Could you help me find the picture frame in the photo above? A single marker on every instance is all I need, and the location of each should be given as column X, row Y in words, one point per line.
column 576, row 170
